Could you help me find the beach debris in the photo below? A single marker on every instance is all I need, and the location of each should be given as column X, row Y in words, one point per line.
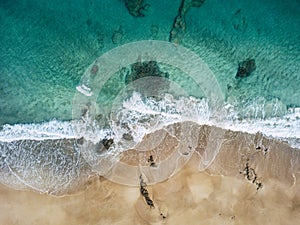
column 179, row 25
column 145, row 193
column 245, row 68
column 136, row 8
column 251, row 176
column 263, row 149
column 151, row 161
column 163, row 211
column 117, row 35
column 163, row 215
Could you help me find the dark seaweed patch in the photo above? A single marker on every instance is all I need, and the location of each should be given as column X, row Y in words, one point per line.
column 145, row 193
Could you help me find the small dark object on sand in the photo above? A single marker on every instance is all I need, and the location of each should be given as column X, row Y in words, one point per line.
column 246, row 68
column 107, row 143
column 151, row 161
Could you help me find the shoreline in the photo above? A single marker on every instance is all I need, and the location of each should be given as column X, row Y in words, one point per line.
column 227, row 191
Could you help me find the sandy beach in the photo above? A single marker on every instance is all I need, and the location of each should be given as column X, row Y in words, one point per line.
column 252, row 180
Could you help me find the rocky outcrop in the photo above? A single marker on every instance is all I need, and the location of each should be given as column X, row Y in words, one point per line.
column 117, row 36
column 147, row 78
column 179, row 24
column 245, row 68
column 136, row 8
column 144, row 69
column 238, row 21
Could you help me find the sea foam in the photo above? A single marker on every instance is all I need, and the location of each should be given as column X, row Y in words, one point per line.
column 143, row 115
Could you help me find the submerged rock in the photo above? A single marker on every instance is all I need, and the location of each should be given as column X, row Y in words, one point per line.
column 246, row 68
column 144, row 69
column 117, row 35
column 107, row 143
column 136, row 7
column 147, row 78
column 239, row 21
column 178, row 29
column 104, row 145
column 154, row 31
column 179, row 24
column 197, row 3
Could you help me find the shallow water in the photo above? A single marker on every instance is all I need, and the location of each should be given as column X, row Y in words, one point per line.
column 47, row 45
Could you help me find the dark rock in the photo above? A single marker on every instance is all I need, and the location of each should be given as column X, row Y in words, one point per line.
column 197, row 3
column 144, row 69
column 246, row 68
column 136, row 8
column 80, row 141
column 145, row 193
column 117, row 35
column 239, row 21
column 102, row 146
column 179, row 24
column 151, row 161
column 89, row 22
column 237, row 12
column 107, row 143
column 147, row 78
column 178, row 29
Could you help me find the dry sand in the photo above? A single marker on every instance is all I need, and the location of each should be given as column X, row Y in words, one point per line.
column 244, row 184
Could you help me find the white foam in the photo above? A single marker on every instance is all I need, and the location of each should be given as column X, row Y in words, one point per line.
column 51, row 130
column 84, row 90
column 286, row 128
column 47, row 130
column 262, row 116
column 144, row 115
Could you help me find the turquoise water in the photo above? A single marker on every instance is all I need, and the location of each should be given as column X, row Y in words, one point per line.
column 46, row 48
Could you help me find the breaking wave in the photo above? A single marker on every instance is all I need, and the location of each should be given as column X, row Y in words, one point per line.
column 143, row 115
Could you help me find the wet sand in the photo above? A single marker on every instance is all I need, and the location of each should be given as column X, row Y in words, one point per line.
column 246, row 183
